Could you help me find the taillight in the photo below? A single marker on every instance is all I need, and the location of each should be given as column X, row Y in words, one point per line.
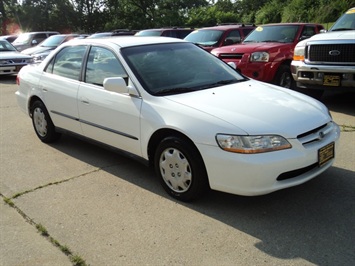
column 17, row 80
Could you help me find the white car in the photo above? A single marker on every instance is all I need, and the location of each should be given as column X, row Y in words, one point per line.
column 182, row 110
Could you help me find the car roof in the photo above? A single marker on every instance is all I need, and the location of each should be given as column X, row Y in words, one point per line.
column 127, row 41
column 289, row 23
column 171, row 28
column 229, row 26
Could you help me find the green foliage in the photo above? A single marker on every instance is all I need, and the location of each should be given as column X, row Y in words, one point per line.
column 105, row 15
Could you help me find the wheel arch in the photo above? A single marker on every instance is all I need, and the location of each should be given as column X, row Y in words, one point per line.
column 31, row 101
column 159, row 135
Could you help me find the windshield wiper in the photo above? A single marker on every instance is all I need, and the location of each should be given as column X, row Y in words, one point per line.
column 174, row 91
column 220, row 83
column 271, row 41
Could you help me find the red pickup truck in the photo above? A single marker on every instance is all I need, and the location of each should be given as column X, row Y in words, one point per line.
column 267, row 52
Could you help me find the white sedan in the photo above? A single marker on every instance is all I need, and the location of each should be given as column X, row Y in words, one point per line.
column 182, row 110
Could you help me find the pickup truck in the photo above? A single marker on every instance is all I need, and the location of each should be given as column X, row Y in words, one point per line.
column 267, row 52
column 327, row 61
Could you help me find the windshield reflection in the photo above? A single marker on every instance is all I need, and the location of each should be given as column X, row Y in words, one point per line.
column 165, row 69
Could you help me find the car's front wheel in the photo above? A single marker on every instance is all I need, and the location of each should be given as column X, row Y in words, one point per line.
column 284, row 77
column 180, row 169
column 42, row 123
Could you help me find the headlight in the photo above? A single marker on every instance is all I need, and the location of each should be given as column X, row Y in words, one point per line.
column 298, row 54
column 259, row 57
column 252, row 144
column 39, row 57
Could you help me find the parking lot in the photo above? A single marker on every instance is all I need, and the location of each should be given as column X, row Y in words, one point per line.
column 110, row 210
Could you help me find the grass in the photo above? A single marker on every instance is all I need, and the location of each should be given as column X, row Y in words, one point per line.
column 75, row 259
column 347, row 128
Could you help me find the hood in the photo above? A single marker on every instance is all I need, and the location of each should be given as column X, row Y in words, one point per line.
column 253, row 47
column 37, row 50
column 258, row 108
column 13, row 55
column 334, row 35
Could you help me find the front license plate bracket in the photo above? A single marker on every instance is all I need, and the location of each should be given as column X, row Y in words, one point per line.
column 325, row 154
column 331, row 80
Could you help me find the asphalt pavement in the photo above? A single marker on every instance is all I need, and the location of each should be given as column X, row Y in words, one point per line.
column 73, row 203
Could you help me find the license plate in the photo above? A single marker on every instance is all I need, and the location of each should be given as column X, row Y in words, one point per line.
column 18, row 68
column 331, row 80
column 325, row 154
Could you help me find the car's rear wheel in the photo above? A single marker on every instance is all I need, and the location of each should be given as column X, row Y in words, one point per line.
column 180, row 169
column 42, row 123
column 284, row 77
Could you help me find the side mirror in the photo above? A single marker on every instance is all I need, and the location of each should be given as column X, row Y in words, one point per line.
column 118, row 85
column 233, row 65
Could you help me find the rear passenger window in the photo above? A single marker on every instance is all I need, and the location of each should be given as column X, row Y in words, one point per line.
column 102, row 63
column 67, row 62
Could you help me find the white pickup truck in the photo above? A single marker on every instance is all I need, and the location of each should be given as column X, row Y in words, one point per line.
column 327, row 60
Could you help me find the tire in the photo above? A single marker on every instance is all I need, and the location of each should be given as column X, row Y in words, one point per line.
column 284, row 77
column 42, row 123
column 180, row 169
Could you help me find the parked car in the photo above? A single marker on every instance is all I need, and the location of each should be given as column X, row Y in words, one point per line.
column 218, row 36
column 327, row 61
column 267, row 52
column 118, row 32
column 11, row 60
column 9, row 38
column 29, row 39
column 174, row 32
column 198, row 121
column 43, row 49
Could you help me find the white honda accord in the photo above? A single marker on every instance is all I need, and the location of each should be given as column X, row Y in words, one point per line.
column 185, row 112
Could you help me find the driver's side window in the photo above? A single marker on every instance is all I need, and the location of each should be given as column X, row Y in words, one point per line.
column 308, row 31
column 233, row 37
column 102, row 63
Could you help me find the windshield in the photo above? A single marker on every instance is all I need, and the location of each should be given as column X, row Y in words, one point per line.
column 204, row 37
column 274, row 33
column 165, row 69
column 149, row 33
column 345, row 22
column 22, row 38
column 53, row 41
column 5, row 46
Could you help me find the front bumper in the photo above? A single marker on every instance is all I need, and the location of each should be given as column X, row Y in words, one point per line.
column 10, row 69
column 258, row 174
column 323, row 76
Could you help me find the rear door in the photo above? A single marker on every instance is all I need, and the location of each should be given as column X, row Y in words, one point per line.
column 60, row 83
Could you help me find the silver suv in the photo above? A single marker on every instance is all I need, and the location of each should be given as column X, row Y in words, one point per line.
column 29, row 39
column 327, row 60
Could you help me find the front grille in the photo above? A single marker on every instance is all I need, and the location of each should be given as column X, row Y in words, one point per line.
column 230, row 56
column 15, row 61
column 332, row 53
column 316, row 134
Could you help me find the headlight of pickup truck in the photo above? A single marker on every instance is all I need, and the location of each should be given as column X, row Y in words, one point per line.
column 298, row 54
column 259, row 57
column 252, row 144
